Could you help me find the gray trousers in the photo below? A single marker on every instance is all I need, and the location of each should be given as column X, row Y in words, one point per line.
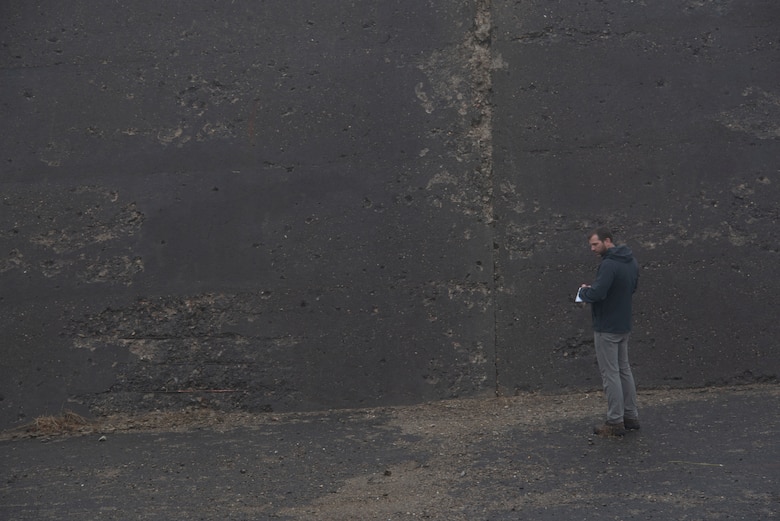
column 612, row 355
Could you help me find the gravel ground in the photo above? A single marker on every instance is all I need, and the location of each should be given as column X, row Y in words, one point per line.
column 703, row 454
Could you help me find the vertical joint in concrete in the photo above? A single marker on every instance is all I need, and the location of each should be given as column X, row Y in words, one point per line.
column 482, row 85
column 482, row 133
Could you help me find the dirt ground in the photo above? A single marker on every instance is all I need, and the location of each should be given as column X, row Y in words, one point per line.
column 702, row 454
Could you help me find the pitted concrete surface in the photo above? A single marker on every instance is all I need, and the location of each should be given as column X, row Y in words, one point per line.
column 659, row 120
column 286, row 200
column 701, row 455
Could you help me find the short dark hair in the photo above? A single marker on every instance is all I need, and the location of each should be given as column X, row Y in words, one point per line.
column 602, row 232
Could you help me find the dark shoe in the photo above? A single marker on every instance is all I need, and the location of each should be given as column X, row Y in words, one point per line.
column 610, row 429
column 631, row 425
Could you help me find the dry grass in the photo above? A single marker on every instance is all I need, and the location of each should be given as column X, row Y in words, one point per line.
column 66, row 423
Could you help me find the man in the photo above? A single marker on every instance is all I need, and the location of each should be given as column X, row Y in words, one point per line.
column 610, row 298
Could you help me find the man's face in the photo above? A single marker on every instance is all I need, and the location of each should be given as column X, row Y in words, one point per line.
column 598, row 246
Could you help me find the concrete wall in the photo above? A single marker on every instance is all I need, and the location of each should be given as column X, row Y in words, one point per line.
column 662, row 120
column 298, row 205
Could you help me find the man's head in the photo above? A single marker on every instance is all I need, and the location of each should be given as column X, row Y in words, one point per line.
column 600, row 241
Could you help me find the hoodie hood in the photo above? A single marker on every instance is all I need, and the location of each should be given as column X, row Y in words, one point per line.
column 620, row 253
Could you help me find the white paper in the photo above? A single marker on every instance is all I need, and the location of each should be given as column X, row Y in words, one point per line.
column 577, row 298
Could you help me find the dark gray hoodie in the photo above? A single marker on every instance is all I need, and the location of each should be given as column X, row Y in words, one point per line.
column 610, row 294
